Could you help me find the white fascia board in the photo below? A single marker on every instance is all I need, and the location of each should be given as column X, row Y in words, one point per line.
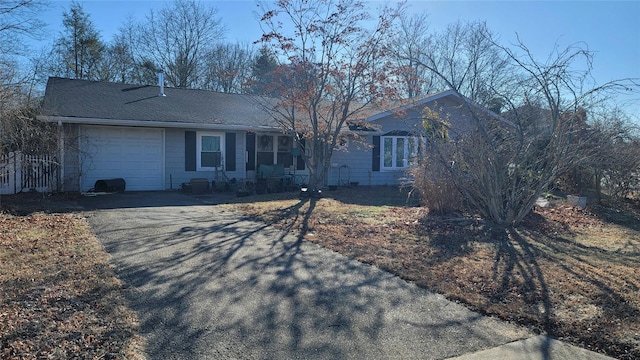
column 154, row 124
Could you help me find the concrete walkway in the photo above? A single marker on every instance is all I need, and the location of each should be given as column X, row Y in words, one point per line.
column 208, row 284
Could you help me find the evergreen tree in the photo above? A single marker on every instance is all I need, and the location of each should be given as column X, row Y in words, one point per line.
column 79, row 45
column 263, row 72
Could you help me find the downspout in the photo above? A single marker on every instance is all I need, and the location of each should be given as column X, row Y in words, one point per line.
column 60, row 185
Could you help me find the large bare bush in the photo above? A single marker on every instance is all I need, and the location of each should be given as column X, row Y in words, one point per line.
column 503, row 163
column 19, row 129
column 437, row 191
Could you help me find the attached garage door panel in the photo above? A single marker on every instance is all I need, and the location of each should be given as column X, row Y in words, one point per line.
column 134, row 154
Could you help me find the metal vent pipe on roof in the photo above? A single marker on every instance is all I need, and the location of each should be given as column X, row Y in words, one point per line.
column 161, row 82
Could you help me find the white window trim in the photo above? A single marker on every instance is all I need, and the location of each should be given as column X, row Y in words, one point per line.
column 406, row 161
column 199, row 136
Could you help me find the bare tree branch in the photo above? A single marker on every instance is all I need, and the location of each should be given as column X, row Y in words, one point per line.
column 334, row 67
column 176, row 39
column 502, row 170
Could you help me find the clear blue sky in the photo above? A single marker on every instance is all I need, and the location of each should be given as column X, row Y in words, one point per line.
column 610, row 28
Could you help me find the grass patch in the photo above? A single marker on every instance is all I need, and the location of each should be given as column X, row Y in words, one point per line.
column 60, row 298
column 567, row 272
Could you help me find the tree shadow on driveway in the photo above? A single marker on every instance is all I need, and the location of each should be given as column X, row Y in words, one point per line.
column 208, row 283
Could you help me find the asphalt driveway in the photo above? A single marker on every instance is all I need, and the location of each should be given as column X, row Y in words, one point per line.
column 208, row 284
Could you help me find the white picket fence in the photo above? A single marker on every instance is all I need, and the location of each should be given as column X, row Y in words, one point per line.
column 20, row 173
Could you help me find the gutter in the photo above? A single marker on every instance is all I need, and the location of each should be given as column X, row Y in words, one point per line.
column 175, row 125
column 142, row 123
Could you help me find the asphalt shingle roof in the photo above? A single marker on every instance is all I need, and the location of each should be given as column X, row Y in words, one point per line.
column 88, row 100
column 98, row 102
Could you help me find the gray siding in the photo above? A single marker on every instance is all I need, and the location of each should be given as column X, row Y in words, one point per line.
column 356, row 162
column 175, row 173
column 174, row 159
column 352, row 165
column 450, row 110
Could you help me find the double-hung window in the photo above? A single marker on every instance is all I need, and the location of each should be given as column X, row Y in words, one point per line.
column 209, row 150
column 398, row 152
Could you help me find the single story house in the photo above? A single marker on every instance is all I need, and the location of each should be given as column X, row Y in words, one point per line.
column 157, row 138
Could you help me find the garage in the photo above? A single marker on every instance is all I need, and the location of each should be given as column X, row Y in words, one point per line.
column 135, row 154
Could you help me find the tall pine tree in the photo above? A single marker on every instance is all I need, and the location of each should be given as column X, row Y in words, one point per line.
column 79, row 45
column 263, row 73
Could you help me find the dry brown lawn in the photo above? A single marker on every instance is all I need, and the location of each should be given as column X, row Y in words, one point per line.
column 59, row 297
column 567, row 272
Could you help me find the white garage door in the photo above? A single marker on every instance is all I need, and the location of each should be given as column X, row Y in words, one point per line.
column 134, row 154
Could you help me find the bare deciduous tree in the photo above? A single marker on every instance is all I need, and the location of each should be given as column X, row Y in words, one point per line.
column 118, row 61
column 18, row 128
column 616, row 163
column 228, row 68
column 335, row 68
column 177, row 37
column 19, row 18
column 411, row 40
column 464, row 57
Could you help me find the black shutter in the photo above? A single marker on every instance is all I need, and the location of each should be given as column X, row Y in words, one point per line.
column 190, row 151
column 375, row 161
column 230, row 152
column 300, row 160
column 251, row 151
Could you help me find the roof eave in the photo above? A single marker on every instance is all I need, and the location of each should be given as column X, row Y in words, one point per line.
column 145, row 123
column 412, row 104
